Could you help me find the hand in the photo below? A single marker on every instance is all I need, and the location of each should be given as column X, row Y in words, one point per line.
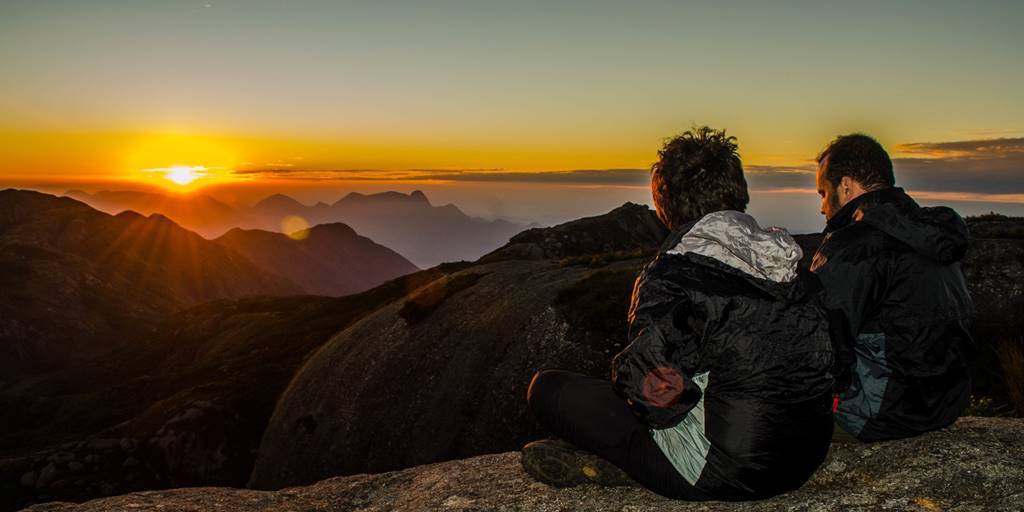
column 663, row 386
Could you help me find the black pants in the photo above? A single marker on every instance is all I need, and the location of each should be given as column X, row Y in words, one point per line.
column 586, row 412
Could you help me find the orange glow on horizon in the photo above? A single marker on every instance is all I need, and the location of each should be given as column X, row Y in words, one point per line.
column 178, row 162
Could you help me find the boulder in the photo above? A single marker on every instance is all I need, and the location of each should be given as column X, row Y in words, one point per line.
column 441, row 374
column 630, row 227
column 975, row 465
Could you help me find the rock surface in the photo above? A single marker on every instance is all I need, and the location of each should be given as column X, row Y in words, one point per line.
column 186, row 408
column 444, row 373
column 191, row 409
column 447, row 380
column 975, row 465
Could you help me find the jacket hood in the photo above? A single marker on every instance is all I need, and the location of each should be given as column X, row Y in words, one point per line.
column 736, row 240
column 937, row 233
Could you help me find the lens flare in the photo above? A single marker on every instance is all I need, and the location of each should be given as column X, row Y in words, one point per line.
column 295, row 227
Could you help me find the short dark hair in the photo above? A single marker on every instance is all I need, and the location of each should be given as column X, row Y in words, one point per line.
column 861, row 158
column 697, row 172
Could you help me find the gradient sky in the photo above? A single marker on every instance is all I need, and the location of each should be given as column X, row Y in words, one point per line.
column 305, row 91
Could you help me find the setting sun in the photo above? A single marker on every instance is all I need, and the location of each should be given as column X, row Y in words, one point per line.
column 181, row 174
column 179, row 162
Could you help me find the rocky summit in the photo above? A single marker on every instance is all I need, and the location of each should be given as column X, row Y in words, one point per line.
column 975, row 465
column 426, row 371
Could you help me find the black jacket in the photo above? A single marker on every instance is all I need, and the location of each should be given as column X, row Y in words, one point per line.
column 729, row 361
column 892, row 268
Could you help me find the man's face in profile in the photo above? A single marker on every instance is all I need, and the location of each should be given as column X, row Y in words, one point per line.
column 829, row 193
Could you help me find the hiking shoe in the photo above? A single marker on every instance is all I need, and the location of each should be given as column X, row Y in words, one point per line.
column 561, row 464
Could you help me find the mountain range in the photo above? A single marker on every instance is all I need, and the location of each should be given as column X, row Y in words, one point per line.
column 275, row 391
column 327, row 259
column 78, row 282
column 407, row 223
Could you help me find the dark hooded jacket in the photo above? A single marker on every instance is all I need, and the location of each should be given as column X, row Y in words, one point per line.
column 892, row 268
column 730, row 358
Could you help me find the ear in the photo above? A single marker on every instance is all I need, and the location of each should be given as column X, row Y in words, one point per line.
column 849, row 189
column 846, row 183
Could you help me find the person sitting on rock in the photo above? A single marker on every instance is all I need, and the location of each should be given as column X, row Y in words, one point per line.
column 892, row 267
column 725, row 389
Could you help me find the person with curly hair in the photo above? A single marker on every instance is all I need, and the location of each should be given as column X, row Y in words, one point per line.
column 725, row 390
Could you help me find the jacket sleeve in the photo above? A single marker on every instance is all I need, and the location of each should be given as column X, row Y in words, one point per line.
column 648, row 373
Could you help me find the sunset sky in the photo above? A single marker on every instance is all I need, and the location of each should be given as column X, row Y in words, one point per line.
column 536, row 111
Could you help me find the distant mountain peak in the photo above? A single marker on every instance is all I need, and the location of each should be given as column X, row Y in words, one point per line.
column 419, row 196
column 405, row 221
column 333, row 227
column 159, row 217
column 416, row 196
column 129, row 214
column 334, row 230
column 630, row 227
column 326, row 259
column 278, row 201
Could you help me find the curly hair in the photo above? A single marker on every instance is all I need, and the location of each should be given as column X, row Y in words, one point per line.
column 698, row 172
column 861, row 158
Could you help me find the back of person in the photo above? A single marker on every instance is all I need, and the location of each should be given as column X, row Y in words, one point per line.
column 898, row 263
column 724, row 389
column 748, row 330
column 892, row 268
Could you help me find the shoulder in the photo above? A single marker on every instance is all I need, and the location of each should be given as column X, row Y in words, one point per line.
column 854, row 235
column 670, row 266
column 857, row 243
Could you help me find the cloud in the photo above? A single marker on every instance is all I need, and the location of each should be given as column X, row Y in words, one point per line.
column 768, row 178
column 981, row 170
column 965, row 149
column 970, row 196
column 595, row 177
column 987, row 166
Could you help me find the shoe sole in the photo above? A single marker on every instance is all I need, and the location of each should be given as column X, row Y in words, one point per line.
column 560, row 464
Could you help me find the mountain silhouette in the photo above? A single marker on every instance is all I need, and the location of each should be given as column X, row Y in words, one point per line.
column 327, row 259
column 426, row 367
column 424, row 233
column 77, row 281
column 272, row 209
column 407, row 223
column 188, row 211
